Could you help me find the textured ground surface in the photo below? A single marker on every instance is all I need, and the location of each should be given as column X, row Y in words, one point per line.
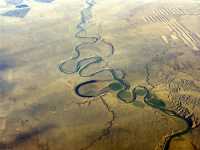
column 157, row 44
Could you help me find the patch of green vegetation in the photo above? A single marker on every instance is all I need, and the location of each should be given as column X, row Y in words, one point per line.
column 140, row 92
column 157, row 102
column 115, row 86
column 125, row 96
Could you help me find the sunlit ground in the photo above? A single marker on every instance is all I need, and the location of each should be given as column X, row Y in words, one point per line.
column 157, row 45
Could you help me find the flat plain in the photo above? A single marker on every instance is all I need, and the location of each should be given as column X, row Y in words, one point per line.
column 156, row 43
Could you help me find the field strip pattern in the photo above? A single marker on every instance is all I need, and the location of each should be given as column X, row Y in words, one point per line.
column 165, row 16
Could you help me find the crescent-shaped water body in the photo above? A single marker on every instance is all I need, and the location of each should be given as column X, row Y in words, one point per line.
column 124, row 91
